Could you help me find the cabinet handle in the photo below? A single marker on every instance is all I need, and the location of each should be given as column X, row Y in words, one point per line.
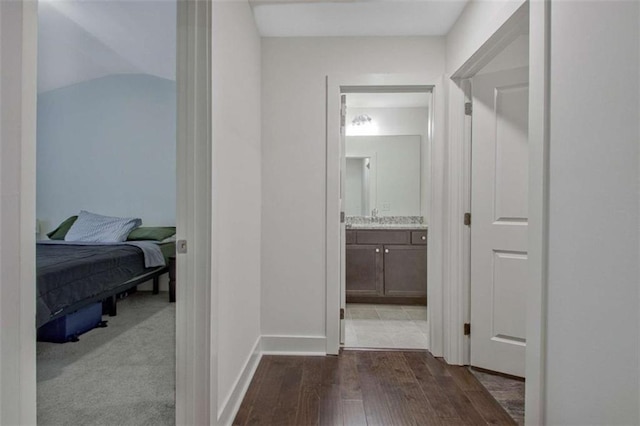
column 386, row 250
column 377, row 250
column 424, row 237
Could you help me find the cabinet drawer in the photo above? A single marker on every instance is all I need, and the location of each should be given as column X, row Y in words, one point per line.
column 418, row 237
column 350, row 237
column 383, row 237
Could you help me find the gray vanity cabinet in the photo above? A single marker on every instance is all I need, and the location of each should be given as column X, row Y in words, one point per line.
column 386, row 266
column 364, row 270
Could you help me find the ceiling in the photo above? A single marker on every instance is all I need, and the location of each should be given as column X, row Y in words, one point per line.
column 304, row 18
column 81, row 40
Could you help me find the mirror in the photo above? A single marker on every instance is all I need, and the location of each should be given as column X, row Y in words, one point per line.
column 386, row 153
column 383, row 176
column 358, row 186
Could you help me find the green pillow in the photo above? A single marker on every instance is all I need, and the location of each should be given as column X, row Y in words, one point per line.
column 151, row 233
column 62, row 229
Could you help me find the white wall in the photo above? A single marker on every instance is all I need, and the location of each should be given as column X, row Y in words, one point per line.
column 396, row 169
column 478, row 21
column 108, row 146
column 236, row 179
column 593, row 350
column 293, row 155
column 398, row 121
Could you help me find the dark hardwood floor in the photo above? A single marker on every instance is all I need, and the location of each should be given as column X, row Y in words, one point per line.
column 366, row 388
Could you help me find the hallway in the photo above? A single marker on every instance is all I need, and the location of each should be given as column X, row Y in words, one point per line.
column 366, row 387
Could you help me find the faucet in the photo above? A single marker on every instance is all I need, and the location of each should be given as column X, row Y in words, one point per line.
column 374, row 214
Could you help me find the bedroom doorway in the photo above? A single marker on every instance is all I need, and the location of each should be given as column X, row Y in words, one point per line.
column 106, row 200
column 384, row 191
column 193, row 308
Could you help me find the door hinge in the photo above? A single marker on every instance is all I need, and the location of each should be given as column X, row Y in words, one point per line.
column 341, row 313
column 467, row 219
column 341, row 217
column 343, row 111
column 468, row 108
column 467, row 329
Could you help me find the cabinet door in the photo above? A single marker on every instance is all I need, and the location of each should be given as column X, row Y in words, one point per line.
column 405, row 271
column 364, row 270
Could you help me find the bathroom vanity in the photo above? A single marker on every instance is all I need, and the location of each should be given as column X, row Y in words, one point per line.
column 386, row 264
column 385, row 207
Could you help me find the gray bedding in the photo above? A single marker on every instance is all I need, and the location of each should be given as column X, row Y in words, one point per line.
column 150, row 249
column 70, row 273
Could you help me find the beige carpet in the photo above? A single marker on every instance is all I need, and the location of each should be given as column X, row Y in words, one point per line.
column 120, row 375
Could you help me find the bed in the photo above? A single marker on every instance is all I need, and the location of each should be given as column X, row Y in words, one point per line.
column 71, row 276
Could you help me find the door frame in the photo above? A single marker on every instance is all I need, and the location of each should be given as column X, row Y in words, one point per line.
column 18, row 87
column 335, row 86
column 535, row 14
column 196, row 306
column 196, row 343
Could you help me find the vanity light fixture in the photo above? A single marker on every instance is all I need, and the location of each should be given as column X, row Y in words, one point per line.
column 361, row 119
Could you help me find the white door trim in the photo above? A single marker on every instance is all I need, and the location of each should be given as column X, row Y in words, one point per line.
column 535, row 14
column 196, row 339
column 18, row 106
column 332, row 217
column 539, row 70
column 335, row 83
column 457, row 238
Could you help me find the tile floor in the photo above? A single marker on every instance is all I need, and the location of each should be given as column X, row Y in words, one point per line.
column 386, row 326
column 507, row 391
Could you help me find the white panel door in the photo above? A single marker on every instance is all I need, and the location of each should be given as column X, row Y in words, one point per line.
column 499, row 172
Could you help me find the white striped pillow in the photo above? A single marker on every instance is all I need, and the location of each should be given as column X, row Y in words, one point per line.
column 91, row 227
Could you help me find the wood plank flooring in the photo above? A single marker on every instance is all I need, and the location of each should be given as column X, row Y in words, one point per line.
column 366, row 388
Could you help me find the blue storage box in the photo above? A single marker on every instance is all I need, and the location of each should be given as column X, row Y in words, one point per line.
column 69, row 327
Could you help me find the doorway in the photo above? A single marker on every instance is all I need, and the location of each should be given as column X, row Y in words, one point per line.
column 193, row 307
column 532, row 19
column 106, row 148
column 384, row 187
column 498, row 103
column 499, row 209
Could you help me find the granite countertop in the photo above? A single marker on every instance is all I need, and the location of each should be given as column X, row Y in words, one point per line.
column 387, row 226
column 385, row 222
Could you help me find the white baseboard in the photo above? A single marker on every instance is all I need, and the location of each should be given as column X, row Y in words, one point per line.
column 294, row 345
column 231, row 405
column 266, row 345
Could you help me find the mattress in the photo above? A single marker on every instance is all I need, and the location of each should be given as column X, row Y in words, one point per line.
column 67, row 275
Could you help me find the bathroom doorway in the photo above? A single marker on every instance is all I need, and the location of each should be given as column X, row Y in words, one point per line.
column 384, row 162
